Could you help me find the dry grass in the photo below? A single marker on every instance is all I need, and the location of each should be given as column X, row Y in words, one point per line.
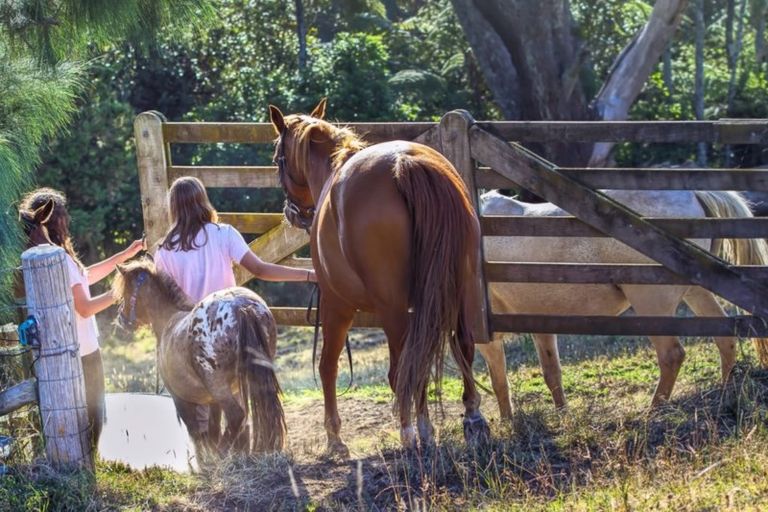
column 705, row 450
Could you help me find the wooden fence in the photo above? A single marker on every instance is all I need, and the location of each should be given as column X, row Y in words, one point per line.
column 486, row 159
column 58, row 387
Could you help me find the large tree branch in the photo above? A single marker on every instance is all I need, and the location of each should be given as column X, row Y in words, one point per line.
column 632, row 67
column 492, row 56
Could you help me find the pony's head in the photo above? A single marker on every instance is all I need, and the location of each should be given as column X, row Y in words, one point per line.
column 140, row 290
column 34, row 222
column 308, row 150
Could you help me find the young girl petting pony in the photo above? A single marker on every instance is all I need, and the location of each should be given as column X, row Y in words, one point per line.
column 43, row 212
column 198, row 253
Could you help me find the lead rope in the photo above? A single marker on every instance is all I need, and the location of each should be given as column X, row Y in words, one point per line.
column 316, row 292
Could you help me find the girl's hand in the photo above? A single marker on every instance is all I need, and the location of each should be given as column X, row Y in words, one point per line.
column 135, row 248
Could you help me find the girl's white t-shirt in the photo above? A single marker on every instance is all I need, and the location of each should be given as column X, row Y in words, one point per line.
column 87, row 330
column 208, row 268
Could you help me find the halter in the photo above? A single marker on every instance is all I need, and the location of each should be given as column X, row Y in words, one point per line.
column 301, row 216
column 129, row 322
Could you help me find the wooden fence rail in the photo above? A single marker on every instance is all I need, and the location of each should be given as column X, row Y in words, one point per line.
column 485, row 157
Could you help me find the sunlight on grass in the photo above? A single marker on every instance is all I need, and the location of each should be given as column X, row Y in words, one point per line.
column 608, row 451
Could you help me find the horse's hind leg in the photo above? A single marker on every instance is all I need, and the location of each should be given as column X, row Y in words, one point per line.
column 703, row 303
column 493, row 353
column 549, row 359
column 234, row 415
column 475, row 426
column 214, row 423
column 187, row 411
column 336, row 321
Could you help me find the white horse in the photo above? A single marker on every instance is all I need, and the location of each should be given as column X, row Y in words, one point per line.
column 608, row 299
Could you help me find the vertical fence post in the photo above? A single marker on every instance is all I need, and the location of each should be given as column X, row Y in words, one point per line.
column 58, row 368
column 152, row 161
column 454, row 140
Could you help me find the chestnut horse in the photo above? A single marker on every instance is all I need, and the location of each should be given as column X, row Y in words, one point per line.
column 393, row 232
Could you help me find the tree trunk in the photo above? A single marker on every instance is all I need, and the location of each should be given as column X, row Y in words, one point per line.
column 632, row 67
column 531, row 60
column 733, row 50
column 759, row 16
column 698, row 92
column 301, row 32
column 667, row 70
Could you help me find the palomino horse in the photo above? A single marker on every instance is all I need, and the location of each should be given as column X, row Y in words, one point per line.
column 609, row 299
column 216, row 352
column 392, row 232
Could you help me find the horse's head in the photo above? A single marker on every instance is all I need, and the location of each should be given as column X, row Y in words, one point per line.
column 133, row 286
column 34, row 223
column 308, row 151
column 293, row 155
column 144, row 293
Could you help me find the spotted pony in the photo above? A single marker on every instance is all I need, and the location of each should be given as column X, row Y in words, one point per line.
column 218, row 352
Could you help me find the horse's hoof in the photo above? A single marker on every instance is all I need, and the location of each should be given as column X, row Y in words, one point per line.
column 408, row 438
column 476, row 429
column 426, row 434
column 337, row 449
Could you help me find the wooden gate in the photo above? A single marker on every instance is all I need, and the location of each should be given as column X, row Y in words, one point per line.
column 486, row 159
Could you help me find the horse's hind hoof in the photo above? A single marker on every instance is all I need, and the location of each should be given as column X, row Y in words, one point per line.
column 476, row 430
column 337, row 450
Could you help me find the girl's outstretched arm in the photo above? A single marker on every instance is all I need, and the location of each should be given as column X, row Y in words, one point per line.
column 272, row 272
column 102, row 269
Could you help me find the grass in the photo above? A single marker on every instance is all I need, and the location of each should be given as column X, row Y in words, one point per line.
column 705, row 450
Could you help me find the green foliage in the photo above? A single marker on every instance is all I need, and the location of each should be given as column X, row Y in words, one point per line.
column 94, row 163
column 57, row 29
column 34, row 105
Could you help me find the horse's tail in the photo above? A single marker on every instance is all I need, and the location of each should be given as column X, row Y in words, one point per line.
column 444, row 234
column 258, row 383
column 739, row 251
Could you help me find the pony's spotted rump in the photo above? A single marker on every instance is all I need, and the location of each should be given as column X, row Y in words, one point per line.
column 211, row 354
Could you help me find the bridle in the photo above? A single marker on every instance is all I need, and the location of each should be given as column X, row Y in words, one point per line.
column 128, row 322
column 301, row 216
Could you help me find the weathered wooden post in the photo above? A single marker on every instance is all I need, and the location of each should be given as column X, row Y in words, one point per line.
column 58, row 368
column 152, row 158
column 454, row 140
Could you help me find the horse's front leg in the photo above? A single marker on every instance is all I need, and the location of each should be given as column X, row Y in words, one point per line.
column 336, row 319
column 493, row 353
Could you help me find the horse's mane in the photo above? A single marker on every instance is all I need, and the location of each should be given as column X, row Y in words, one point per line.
column 306, row 129
column 166, row 285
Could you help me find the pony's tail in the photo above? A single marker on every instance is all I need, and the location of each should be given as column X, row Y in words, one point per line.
column 739, row 251
column 444, row 229
column 258, row 384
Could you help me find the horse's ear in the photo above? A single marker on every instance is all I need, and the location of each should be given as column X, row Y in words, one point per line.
column 277, row 118
column 43, row 214
column 319, row 110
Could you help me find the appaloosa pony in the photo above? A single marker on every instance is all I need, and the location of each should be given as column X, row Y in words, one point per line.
column 392, row 232
column 610, row 299
column 216, row 352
